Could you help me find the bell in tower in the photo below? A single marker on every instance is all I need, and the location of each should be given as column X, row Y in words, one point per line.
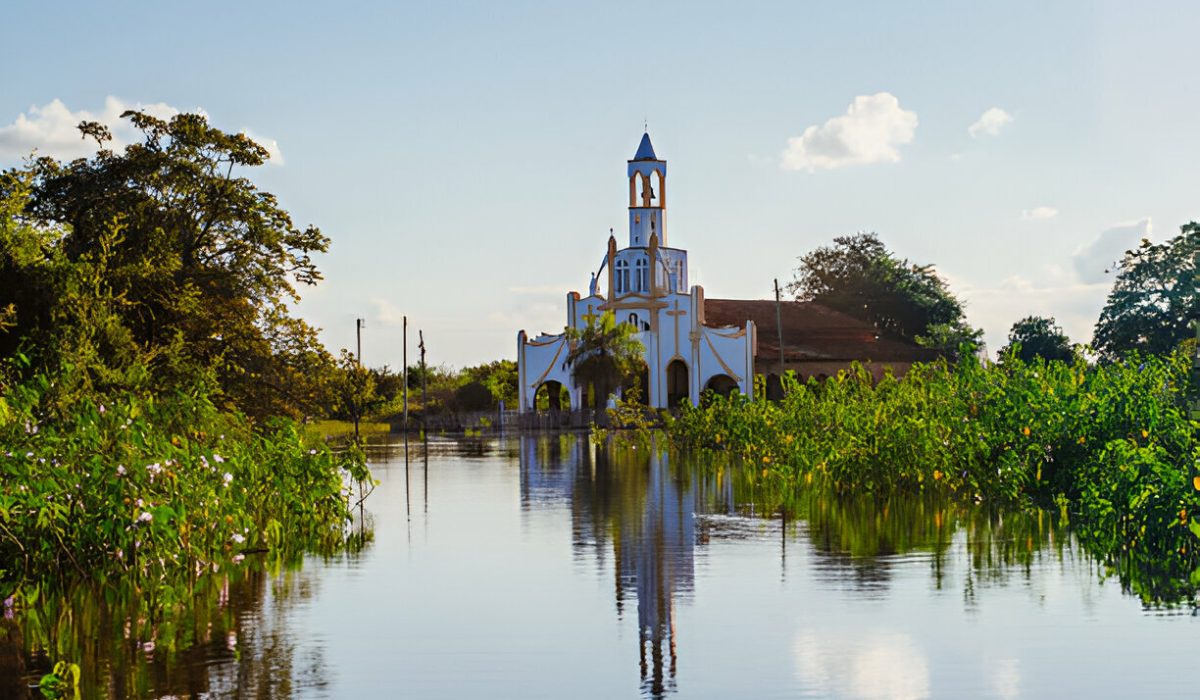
column 647, row 195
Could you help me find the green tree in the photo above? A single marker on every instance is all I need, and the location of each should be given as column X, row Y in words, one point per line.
column 197, row 267
column 354, row 389
column 860, row 277
column 500, row 378
column 1155, row 297
column 1036, row 336
column 605, row 354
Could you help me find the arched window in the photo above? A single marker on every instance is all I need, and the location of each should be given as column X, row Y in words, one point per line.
column 622, row 276
column 640, row 283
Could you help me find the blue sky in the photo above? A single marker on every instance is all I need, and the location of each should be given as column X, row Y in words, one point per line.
column 467, row 159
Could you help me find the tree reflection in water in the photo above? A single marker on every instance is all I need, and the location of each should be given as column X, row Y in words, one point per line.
column 650, row 509
column 225, row 638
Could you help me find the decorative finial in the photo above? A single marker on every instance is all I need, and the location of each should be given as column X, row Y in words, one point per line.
column 646, row 125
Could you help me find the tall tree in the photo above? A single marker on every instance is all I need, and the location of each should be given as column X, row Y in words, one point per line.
column 860, row 277
column 1155, row 297
column 200, row 263
column 1036, row 336
column 605, row 354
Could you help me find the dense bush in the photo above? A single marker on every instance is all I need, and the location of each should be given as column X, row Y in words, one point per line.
column 146, row 488
column 1113, row 442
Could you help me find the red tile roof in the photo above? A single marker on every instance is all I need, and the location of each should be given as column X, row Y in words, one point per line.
column 812, row 332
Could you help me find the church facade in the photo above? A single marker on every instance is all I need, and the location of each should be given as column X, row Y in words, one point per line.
column 645, row 283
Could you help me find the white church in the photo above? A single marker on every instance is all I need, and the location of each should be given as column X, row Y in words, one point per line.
column 645, row 283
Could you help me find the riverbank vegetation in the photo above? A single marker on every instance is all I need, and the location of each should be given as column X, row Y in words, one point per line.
column 1112, row 443
column 151, row 370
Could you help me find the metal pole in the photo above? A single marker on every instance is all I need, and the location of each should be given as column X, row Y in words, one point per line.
column 405, row 360
column 779, row 327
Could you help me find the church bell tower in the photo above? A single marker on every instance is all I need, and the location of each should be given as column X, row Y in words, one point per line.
column 647, row 196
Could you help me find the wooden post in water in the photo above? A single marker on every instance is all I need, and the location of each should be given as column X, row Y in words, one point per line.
column 424, row 409
column 779, row 327
column 404, row 360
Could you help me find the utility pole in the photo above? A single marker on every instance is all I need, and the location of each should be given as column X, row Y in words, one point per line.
column 779, row 327
column 421, row 336
column 405, row 361
column 358, row 326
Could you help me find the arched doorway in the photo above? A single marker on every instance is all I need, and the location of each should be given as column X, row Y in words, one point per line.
column 677, row 383
column 641, row 382
column 551, row 396
column 774, row 387
column 722, row 384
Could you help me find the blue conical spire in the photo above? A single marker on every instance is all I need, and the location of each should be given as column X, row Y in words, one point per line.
column 645, row 149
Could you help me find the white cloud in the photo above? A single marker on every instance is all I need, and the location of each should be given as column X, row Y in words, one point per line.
column 387, row 313
column 990, row 123
column 869, row 132
column 275, row 156
column 995, row 309
column 1039, row 213
column 1094, row 260
column 51, row 129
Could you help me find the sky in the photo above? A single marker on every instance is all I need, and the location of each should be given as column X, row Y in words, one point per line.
column 468, row 159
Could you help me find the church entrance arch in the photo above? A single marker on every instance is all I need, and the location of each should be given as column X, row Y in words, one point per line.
column 774, row 387
column 677, row 383
column 551, row 396
column 722, row 384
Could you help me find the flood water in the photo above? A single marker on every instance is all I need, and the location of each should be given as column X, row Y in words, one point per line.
column 547, row 567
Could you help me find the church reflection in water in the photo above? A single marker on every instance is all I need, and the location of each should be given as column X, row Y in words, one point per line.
column 630, row 505
column 650, row 512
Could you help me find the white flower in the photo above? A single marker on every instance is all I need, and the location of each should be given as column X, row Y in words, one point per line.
column 238, row 538
column 237, row 559
column 120, row 470
column 218, row 458
column 145, row 517
column 102, row 408
column 228, row 478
